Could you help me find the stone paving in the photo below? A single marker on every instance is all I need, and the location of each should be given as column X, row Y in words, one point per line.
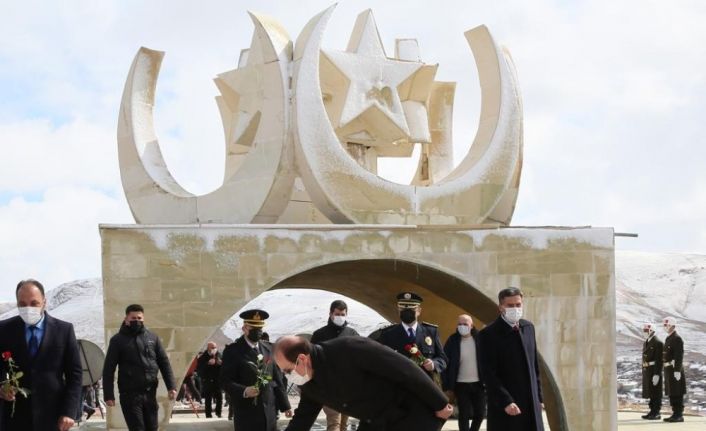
column 627, row 421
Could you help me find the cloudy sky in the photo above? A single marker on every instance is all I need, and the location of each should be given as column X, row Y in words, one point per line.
column 614, row 93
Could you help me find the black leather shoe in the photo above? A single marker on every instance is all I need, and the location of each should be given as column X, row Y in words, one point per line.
column 675, row 419
column 651, row 417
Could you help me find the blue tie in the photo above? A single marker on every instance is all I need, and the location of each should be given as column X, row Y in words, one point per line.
column 410, row 331
column 33, row 342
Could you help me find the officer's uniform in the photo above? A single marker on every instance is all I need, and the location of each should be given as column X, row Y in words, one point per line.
column 238, row 372
column 424, row 335
column 673, row 356
column 651, row 368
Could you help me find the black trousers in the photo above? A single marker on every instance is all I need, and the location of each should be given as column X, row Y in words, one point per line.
column 140, row 410
column 410, row 415
column 470, row 398
column 655, row 403
column 212, row 394
column 677, row 403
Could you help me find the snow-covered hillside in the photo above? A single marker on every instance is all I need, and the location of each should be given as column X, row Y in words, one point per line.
column 651, row 286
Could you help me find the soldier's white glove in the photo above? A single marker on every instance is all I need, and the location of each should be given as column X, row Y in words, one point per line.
column 677, row 375
column 655, row 380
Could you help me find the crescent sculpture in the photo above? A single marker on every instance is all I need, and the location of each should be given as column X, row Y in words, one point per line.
column 277, row 131
column 259, row 189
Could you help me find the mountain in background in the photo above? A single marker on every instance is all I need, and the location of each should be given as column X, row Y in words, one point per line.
column 649, row 286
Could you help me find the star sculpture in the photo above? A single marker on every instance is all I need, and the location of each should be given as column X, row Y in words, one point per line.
column 373, row 78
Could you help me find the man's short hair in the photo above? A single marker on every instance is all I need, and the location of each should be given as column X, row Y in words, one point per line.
column 32, row 282
column 338, row 305
column 291, row 350
column 508, row 292
column 134, row 308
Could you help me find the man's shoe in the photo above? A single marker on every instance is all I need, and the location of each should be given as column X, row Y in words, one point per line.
column 652, row 416
column 675, row 419
column 208, row 416
column 89, row 414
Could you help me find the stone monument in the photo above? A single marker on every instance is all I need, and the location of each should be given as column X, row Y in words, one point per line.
column 301, row 206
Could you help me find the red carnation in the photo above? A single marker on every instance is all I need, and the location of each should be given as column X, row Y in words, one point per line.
column 408, row 347
column 6, row 356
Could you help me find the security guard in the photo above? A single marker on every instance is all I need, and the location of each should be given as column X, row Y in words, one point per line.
column 652, row 371
column 410, row 333
column 674, row 380
column 255, row 408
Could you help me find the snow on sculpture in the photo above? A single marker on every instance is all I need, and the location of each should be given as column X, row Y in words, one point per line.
column 342, row 110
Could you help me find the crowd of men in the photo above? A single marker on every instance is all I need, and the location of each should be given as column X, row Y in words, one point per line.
column 400, row 378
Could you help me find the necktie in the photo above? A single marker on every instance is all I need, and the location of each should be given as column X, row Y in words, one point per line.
column 516, row 327
column 33, row 342
column 410, row 332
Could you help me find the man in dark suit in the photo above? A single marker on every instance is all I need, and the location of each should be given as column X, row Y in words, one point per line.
column 363, row 379
column 510, row 368
column 410, row 332
column 46, row 351
column 674, row 379
column 254, row 405
column 461, row 377
column 209, row 369
column 652, row 371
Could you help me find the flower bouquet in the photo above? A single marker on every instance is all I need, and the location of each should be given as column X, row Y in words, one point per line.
column 263, row 374
column 415, row 354
column 12, row 379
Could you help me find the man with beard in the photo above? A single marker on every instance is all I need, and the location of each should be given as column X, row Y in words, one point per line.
column 510, row 368
column 674, row 379
column 337, row 326
column 410, row 333
column 252, row 379
column 139, row 355
column 209, row 369
column 652, row 371
column 44, row 348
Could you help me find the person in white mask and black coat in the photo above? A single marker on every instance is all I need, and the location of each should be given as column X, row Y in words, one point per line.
column 337, row 326
column 509, row 365
column 673, row 362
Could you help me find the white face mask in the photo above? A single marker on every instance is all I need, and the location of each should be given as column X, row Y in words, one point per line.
column 463, row 330
column 338, row 320
column 297, row 378
column 213, row 352
column 513, row 314
column 30, row 315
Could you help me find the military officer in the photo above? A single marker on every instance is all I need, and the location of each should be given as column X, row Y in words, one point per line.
column 255, row 406
column 410, row 333
column 652, row 371
column 674, row 380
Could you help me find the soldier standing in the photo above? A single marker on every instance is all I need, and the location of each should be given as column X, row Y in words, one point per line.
column 674, row 380
column 652, row 371
column 410, row 333
column 255, row 404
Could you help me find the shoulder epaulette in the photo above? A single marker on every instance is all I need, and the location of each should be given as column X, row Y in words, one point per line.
column 430, row 324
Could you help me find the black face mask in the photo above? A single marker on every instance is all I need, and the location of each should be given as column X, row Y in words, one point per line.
column 136, row 325
column 254, row 335
column 408, row 315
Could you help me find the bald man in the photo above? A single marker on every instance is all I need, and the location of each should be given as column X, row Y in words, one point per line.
column 209, row 369
column 461, row 377
column 383, row 389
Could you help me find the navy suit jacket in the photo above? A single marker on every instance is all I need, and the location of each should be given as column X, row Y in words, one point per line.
column 53, row 376
column 452, row 348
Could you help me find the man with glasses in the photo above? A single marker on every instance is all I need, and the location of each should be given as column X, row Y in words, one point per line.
column 363, row 379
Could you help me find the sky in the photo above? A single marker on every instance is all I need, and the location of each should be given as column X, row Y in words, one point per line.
column 613, row 96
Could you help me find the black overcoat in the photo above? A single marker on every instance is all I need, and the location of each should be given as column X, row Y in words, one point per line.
column 53, row 376
column 510, row 369
column 651, row 366
column 426, row 339
column 673, row 357
column 237, row 374
column 363, row 379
